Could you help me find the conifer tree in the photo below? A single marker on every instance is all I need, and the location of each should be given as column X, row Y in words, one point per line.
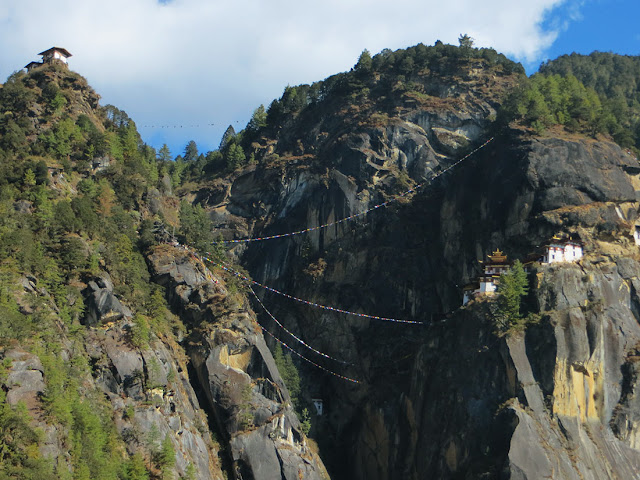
column 164, row 154
column 166, row 457
column 191, row 152
column 228, row 134
column 512, row 287
column 258, row 119
column 136, row 469
column 465, row 41
column 365, row 62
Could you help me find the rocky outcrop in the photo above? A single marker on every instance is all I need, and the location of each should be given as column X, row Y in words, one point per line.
column 452, row 399
column 147, row 386
column 236, row 373
column 540, row 404
column 24, row 380
column 153, row 398
column 102, row 304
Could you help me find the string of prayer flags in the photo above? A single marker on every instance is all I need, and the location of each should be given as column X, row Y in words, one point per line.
column 312, row 304
column 302, row 342
column 356, row 215
column 306, row 359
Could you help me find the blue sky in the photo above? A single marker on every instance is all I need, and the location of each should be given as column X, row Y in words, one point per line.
column 186, row 69
column 603, row 25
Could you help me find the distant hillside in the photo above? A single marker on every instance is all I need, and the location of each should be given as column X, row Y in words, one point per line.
column 616, row 79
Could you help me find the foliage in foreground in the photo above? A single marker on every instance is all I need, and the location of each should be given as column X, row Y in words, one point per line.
column 507, row 310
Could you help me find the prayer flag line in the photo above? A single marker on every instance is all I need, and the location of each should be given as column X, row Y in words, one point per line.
column 356, row 215
column 312, row 304
column 292, row 334
column 306, row 359
column 199, row 257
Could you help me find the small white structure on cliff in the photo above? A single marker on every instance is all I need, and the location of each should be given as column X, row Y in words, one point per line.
column 52, row 55
column 488, row 281
column 319, row 405
column 55, row 54
column 562, row 251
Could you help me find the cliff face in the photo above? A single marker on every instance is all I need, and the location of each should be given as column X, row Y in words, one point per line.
column 451, row 399
column 241, row 389
column 146, row 392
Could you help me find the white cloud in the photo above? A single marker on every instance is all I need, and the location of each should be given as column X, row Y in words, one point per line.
column 210, row 61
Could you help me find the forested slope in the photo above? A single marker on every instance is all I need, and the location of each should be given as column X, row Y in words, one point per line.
column 129, row 346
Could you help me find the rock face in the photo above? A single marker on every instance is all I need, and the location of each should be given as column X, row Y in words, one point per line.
column 548, row 403
column 450, row 399
column 24, row 381
column 243, row 391
column 149, row 391
column 102, row 304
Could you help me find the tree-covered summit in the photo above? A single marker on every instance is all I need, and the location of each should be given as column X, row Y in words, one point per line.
column 592, row 94
column 402, row 70
column 616, row 79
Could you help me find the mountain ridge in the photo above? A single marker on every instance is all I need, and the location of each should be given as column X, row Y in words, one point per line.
column 119, row 341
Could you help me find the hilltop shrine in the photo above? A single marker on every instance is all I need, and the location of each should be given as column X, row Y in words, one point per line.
column 52, row 55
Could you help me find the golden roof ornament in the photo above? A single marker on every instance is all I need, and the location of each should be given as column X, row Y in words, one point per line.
column 498, row 256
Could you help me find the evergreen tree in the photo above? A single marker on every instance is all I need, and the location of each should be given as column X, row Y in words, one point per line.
column 164, row 154
column 191, row 152
column 136, row 468
column 513, row 286
column 228, row 134
column 166, row 457
column 288, row 372
column 465, row 41
column 364, row 66
column 195, row 225
column 258, row 119
column 235, row 157
column 305, row 421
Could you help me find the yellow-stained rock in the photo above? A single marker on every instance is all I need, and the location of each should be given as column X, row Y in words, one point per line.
column 578, row 391
column 239, row 361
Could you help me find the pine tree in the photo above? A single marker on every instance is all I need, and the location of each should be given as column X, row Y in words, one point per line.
column 235, row 157
column 191, row 152
column 365, row 63
column 512, row 287
column 164, row 154
column 465, row 41
column 136, row 469
column 166, row 457
column 29, row 178
column 258, row 119
column 228, row 134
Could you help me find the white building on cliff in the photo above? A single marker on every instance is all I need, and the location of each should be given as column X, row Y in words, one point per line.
column 558, row 250
column 488, row 281
column 562, row 251
column 55, row 54
column 52, row 55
